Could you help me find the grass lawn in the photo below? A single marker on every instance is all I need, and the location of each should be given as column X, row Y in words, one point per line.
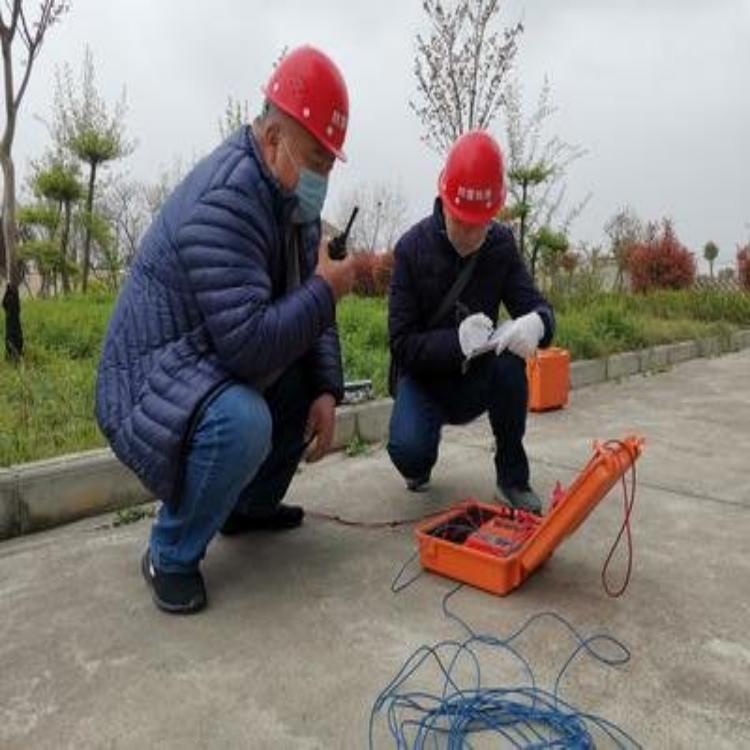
column 47, row 404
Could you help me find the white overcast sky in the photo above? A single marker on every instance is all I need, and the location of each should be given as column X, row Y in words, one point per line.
column 658, row 91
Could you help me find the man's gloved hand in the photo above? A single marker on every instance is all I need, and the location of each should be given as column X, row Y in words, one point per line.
column 473, row 332
column 522, row 336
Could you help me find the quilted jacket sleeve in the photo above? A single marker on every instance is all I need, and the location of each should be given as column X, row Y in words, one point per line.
column 325, row 367
column 223, row 245
column 431, row 352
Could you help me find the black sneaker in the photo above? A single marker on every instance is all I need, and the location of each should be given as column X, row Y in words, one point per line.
column 520, row 498
column 176, row 593
column 420, row 484
column 282, row 518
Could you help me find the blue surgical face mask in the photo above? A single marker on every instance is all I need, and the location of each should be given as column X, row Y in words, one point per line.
column 311, row 190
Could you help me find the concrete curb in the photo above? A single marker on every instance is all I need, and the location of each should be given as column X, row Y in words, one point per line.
column 622, row 365
column 654, row 359
column 74, row 486
column 373, row 419
column 8, row 504
column 42, row 494
column 585, row 372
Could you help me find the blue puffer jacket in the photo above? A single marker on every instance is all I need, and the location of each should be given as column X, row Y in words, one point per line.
column 205, row 304
column 426, row 265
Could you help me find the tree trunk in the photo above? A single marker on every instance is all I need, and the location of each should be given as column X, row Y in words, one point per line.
column 13, row 330
column 2, row 247
column 711, row 266
column 522, row 229
column 64, row 250
column 87, row 240
column 534, row 253
column 29, row 290
column 11, row 298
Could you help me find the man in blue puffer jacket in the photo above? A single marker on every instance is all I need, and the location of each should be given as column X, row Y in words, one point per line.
column 432, row 385
column 221, row 363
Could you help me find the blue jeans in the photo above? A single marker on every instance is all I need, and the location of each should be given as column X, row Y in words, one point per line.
column 242, row 457
column 496, row 385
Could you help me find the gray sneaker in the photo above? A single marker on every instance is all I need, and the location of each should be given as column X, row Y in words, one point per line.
column 520, row 498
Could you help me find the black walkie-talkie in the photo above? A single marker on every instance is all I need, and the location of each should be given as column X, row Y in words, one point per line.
column 337, row 246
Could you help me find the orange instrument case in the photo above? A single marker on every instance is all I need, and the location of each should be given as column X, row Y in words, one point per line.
column 548, row 374
column 496, row 548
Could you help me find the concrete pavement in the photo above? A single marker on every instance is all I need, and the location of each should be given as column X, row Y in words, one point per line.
column 302, row 630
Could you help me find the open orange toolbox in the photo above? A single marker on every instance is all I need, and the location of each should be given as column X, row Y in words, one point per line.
column 495, row 548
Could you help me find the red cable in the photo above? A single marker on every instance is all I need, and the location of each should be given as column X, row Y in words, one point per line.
column 394, row 524
column 628, row 502
column 625, row 528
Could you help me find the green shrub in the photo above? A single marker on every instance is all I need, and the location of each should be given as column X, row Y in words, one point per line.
column 48, row 401
column 363, row 327
column 72, row 326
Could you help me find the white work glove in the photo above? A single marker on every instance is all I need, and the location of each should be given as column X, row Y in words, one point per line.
column 474, row 331
column 521, row 336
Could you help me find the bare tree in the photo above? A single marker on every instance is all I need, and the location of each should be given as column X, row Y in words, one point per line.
column 461, row 68
column 381, row 219
column 15, row 24
column 624, row 230
column 130, row 205
column 236, row 114
column 536, row 167
column 156, row 193
column 124, row 204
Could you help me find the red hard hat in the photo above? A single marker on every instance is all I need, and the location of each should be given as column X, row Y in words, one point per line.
column 308, row 86
column 472, row 184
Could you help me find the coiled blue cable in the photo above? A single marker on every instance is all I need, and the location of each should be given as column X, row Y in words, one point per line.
column 519, row 715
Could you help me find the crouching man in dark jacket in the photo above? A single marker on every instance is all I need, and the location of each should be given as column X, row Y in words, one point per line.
column 433, row 384
column 221, row 362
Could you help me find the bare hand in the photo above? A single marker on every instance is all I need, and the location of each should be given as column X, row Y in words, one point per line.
column 321, row 423
column 338, row 273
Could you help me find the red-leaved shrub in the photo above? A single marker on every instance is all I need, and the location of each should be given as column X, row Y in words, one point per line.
column 743, row 266
column 661, row 262
column 383, row 272
column 372, row 273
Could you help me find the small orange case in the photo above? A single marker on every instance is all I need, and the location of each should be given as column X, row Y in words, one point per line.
column 548, row 373
column 495, row 548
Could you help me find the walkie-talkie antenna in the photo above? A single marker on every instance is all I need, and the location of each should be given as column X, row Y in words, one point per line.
column 337, row 246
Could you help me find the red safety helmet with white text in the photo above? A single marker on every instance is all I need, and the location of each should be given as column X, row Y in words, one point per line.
column 307, row 85
column 472, row 184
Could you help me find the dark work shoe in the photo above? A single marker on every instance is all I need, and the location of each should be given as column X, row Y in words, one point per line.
column 520, row 498
column 283, row 517
column 420, row 484
column 176, row 593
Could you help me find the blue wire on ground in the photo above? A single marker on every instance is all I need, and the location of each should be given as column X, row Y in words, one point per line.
column 520, row 715
column 399, row 585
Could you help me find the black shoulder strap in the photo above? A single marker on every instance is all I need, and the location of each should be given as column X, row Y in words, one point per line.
column 454, row 292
